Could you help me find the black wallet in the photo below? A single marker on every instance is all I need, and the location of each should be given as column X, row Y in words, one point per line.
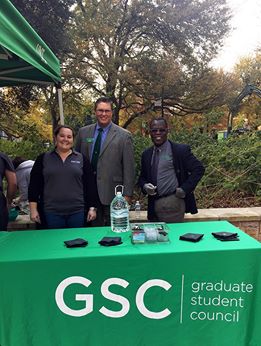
column 225, row 236
column 194, row 237
column 110, row 241
column 78, row 242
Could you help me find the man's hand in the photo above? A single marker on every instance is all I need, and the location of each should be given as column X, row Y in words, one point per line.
column 180, row 193
column 91, row 214
column 150, row 189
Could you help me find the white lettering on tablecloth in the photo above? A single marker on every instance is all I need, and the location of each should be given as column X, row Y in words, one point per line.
column 207, row 301
column 218, row 301
column 88, row 298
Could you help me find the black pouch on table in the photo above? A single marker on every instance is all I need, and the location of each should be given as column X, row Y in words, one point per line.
column 78, row 242
column 225, row 236
column 193, row 237
column 110, row 241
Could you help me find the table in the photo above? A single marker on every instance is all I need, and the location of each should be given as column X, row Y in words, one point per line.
column 180, row 293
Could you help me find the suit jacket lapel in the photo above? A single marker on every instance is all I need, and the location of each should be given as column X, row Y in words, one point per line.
column 90, row 134
column 111, row 134
column 174, row 158
column 149, row 158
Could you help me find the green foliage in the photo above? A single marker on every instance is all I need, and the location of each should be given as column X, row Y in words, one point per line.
column 140, row 144
column 233, row 165
column 78, row 114
column 27, row 149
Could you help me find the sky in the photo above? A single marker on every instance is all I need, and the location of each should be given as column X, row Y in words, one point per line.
column 245, row 36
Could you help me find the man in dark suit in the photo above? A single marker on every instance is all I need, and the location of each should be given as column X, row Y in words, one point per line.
column 110, row 150
column 169, row 175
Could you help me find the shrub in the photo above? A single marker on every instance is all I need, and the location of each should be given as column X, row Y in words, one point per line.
column 26, row 149
column 233, row 165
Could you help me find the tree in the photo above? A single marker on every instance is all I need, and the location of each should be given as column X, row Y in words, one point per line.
column 248, row 72
column 121, row 45
column 14, row 104
column 49, row 19
column 248, row 69
column 23, row 118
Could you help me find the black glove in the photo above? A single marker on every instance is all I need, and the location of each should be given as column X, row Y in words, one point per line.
column 225, row 236
column 150, row 189
column 78, row 242
column 180, row 193
column 110, row 241
column 194, row 237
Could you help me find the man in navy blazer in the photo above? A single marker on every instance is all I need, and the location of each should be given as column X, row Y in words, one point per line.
column 178, row 171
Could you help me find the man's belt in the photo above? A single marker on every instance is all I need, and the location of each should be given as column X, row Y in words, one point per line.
column 165, row 195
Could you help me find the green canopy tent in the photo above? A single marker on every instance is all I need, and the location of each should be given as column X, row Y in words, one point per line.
column 24, row 56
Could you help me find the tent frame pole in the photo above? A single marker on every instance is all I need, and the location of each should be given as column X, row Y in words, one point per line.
column 60, row 102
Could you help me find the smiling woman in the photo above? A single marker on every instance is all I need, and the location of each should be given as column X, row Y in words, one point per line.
column 63, row 138
column 62, row 190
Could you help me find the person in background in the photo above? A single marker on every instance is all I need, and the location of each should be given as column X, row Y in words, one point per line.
column 110, row 150
column 7, row 172
column 246, row 125
column 62, row 191
column 23, row 169
column 169, row 175
column 213, row 134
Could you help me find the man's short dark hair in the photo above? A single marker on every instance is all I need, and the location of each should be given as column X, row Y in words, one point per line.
column 103, row 99
column 159, row 119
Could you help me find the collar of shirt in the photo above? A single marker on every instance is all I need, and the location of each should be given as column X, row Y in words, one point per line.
column 104, row 133
column 74, row 152
column 162, row 147
column 105, row 129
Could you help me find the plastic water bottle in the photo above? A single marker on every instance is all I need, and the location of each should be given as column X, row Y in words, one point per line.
column 119, row 213
column 137, row 210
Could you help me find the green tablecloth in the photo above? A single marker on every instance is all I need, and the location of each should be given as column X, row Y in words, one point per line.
column 180, row 293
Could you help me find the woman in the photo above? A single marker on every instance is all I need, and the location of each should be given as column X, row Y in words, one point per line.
column 62, row 190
